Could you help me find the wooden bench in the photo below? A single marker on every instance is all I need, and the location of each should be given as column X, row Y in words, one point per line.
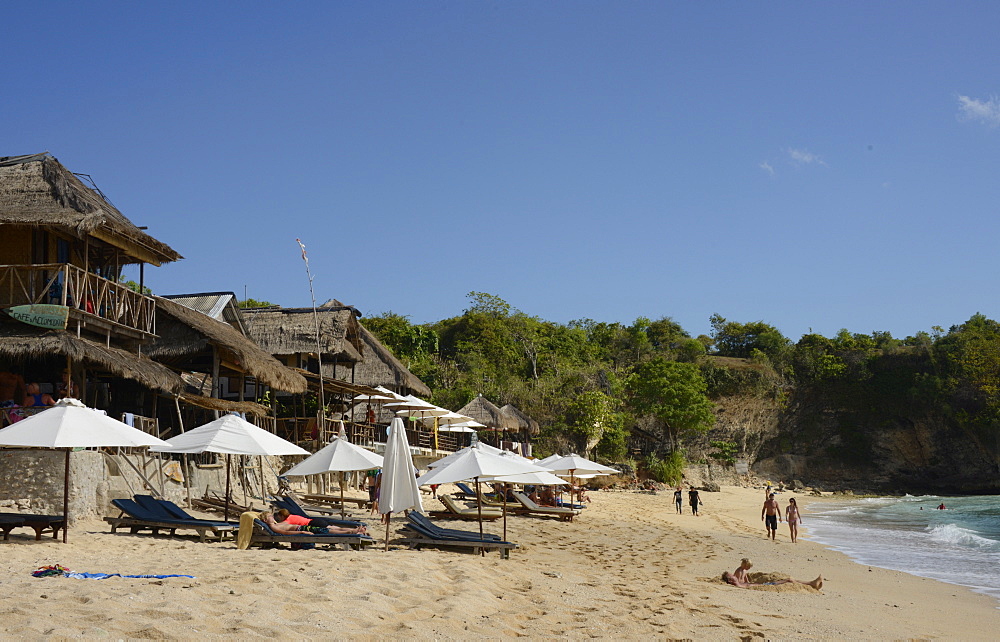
column 39, row 523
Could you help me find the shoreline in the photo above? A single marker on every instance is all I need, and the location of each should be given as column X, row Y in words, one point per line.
column 629, row 567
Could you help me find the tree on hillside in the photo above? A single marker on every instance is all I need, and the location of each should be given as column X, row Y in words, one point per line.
column 591, row 418
column 733, row 339
column 674, row 393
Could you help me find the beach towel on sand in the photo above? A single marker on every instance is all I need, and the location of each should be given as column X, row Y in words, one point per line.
column 58, row 570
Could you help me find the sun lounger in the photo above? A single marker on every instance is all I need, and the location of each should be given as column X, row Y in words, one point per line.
column 421, row 532
column 39, row 523
column 465, row 491
column 166, row 509
column 136, row 519
column 454, row 511
column 529, row 507
column 262, row 534
column 294, row 508
column 334, row 500
column 447, row 533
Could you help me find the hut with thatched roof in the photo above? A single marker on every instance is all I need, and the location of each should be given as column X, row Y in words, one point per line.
column 290, row 335
column 63, row 246
column 489, row 414
column 525, row 424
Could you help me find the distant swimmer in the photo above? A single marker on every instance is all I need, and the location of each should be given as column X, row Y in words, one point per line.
column 942, row 507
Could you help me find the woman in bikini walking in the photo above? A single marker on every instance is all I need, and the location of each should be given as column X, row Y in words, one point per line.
column 794, row 519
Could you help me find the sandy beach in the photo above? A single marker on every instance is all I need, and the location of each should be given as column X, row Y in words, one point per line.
column 629, row 567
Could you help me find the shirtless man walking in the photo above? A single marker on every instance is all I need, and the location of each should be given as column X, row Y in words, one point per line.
column 770, row 514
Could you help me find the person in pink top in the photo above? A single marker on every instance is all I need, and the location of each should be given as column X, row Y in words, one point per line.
column 282, row 516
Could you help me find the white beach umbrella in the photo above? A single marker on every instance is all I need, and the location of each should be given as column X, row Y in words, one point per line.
column 576, row 467
column 70, row 424
column 550, row 458
column 389, row 393
column 475, row 464
column 339, row 455
column 571, row 463
column 398, row 488
column 539, row 478
column 230, row 435
column 410, row 402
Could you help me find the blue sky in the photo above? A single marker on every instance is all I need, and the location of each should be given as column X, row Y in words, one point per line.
column 813, row 165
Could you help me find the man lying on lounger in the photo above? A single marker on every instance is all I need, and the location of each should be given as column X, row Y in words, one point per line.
column 281, row 521
column 740, row 578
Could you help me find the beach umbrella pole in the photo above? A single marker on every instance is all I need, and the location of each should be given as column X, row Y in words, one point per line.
column 479, row 504
column 227, row 488
column 66, row 500
column 505, row 512
column 343, row 510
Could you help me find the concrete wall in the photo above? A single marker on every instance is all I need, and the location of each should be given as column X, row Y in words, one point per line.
column 32, row 481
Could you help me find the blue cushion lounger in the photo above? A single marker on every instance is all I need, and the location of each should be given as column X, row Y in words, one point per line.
column 468, row 492
column 166, row 509
column 294, row 508
column 421, row 535
column 445, row 533
column 136, row 519
column 263, row 534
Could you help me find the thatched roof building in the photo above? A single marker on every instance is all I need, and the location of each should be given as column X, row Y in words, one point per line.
column 525, row 423
column 381, row 368
column 187, row 338
column 20, row 341
column 284, row 332
column 487, row 413
column 37, row 191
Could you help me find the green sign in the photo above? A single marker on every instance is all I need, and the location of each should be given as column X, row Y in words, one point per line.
column 52, row 317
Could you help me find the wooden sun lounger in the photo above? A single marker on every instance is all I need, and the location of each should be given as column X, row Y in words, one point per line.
column 39, row 523
column 456, row 512
column 334, row 500
column 264, row 535
column 528, row 507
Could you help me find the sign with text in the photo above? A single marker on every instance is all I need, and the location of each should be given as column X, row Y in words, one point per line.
column 51, row 317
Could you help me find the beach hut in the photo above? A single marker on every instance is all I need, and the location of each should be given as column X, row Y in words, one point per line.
column 489, row 414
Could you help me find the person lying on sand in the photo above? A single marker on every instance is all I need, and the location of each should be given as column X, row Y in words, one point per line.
column 741, row 579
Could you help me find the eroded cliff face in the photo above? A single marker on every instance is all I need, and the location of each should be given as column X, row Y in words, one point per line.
column 815, row 439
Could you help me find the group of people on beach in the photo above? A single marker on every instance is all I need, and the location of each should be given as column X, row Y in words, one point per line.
column 694, row 500
column 770, row 514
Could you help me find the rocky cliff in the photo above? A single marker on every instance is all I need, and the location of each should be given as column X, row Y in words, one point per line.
column 834, row 439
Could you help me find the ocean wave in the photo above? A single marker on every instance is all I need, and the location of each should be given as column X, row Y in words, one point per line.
column 954, row 534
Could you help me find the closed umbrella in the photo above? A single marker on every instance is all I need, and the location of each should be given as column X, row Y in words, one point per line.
column 68, row 425
column 398, row 488
column 339, row 455
column 230, row 435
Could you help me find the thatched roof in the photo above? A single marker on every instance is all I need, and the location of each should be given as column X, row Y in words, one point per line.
column 224, row 405
column 381, row 368
column 21, row 341
column 525, row 423
column 285, row 331
column 38, row 191
column 335, row 386
column 183, row 332
column 486, row 412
